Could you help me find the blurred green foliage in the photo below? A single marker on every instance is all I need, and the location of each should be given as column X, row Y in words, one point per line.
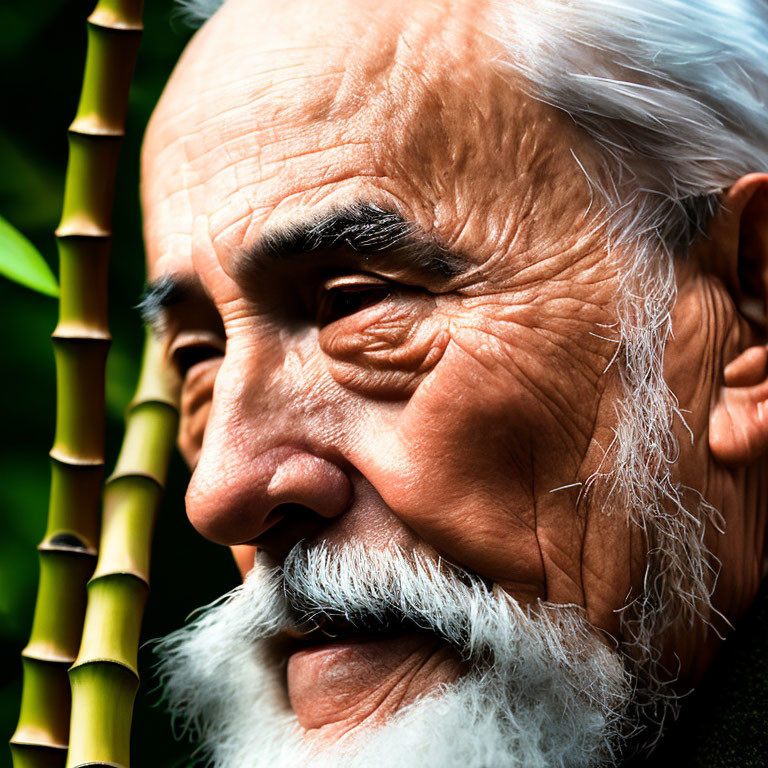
column 42, row 51
column 21, row 262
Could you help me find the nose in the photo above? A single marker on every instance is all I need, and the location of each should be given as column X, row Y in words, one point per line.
column 235, row 496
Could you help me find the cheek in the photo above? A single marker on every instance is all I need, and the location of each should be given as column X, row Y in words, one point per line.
column 472, row 462
column 463, row 476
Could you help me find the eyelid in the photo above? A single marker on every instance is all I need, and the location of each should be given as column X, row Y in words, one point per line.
column 353, row 281
column 195, row 339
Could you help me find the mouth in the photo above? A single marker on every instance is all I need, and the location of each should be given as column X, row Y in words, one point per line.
column 321, row 629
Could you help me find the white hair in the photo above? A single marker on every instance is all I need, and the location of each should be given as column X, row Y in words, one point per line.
column 673, row 96
column 542, row 688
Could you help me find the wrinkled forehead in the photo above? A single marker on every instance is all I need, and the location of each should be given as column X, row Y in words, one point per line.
column 276, row 107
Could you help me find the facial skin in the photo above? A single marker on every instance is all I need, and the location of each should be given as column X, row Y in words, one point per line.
column 455, row 411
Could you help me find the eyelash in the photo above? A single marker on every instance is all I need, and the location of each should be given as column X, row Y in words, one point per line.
column 343, row 302
column 345, row 296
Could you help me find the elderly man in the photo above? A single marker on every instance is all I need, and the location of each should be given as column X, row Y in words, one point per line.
column 469, row 300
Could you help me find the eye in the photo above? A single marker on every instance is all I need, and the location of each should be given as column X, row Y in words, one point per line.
column 343, row 296
column 186, row 357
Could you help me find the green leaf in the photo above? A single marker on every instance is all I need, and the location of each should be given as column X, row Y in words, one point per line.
column 21, row 262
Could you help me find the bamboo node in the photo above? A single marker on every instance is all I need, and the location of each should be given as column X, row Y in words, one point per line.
column 62, row 234
column 86, row 551
column 67, row 542
column 94, row 126
column 105, row 573
column 126, row 27
column 108, row 19
column 46, row 657
column 32, row 737
column 153, row 398
column 93, row 660
column 75, row 461
column 81, row 227
column 99, row 136
column 72, row 331
column 115, row 476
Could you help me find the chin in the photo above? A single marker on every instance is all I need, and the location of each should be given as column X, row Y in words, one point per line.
column 352, row 657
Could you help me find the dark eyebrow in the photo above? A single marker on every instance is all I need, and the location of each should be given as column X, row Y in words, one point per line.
column 363, row 228
column 161, row 294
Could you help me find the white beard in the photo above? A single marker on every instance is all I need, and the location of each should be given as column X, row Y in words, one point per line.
column 542, row 690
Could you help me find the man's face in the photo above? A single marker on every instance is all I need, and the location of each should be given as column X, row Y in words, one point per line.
column 394, row 316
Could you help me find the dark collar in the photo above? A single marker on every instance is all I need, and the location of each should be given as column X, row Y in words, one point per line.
column 724, row 723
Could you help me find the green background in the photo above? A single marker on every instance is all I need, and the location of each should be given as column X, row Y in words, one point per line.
column 42, row 51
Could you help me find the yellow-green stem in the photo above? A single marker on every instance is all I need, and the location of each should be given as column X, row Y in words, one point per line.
column 81, row 340
column 105, row 676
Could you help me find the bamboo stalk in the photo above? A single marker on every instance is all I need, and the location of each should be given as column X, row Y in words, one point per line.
column 105, row 675
column 81, row 339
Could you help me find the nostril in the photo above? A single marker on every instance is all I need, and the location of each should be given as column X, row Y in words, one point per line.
column 285, row 525
column 292, row 513
column 278, row 513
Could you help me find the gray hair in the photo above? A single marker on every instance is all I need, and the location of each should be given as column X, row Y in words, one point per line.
column 673, row 95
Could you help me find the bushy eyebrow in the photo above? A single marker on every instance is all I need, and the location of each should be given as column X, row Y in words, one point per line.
column 161, row 294
column 374, row 233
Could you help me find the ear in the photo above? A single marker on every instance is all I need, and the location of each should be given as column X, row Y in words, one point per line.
column 738, row 428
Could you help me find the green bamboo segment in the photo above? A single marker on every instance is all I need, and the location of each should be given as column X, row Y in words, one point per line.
column 81, row 340
column 144, row 452
column 87, row 209
column 75, row 489
column 112, row 624
column 101, row 109
column 102, row 695
column 80, row 366
column 105, row 675
column 43, row 680
column 41, row 740
column 53, row 638
column 83, row 276
column 127, row 527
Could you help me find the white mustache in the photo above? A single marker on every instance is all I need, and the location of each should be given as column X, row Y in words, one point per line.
column 375, row 589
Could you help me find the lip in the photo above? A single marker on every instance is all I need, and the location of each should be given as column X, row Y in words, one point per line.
column 328, row 680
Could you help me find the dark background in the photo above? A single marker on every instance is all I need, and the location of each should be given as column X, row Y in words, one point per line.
column 42, row 52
